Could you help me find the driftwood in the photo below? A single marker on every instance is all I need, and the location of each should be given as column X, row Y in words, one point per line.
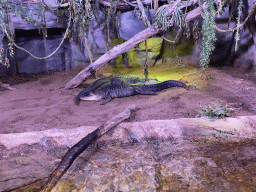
column 78, row 148
column 7, row 86
column 122, row 48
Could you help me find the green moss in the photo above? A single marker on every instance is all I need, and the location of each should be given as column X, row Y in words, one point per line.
column 65, row 186
column 132, row 57
column 154, row 47
column 177, row 49
column 116, row 41
column 119, row 61
column 173, row 73
column 153, row 44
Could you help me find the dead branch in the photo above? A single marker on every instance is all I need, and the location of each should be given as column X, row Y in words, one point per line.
column 82, row 145
column 7, row 86
column 120, row 49
column 143, row 14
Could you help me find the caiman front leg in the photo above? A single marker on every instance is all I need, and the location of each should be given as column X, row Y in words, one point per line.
column 107, row 99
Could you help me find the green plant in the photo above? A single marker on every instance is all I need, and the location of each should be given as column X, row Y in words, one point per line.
column 165, row 20
column 208, row 30
column 13, row 131
column 213, row 111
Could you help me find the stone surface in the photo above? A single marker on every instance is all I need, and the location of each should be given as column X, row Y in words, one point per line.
column 26, row 157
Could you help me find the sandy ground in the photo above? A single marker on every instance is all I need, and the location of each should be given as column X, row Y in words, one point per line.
column 41, row 102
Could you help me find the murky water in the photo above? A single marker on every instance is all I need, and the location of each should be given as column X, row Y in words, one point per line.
column 156, row 165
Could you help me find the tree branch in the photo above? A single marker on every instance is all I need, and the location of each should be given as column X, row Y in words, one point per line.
column 82, row 145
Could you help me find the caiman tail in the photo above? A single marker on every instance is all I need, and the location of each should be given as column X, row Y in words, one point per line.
column 161, row 86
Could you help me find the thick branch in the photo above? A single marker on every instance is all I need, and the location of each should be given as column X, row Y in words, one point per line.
column 120, row 49
column 82, row 145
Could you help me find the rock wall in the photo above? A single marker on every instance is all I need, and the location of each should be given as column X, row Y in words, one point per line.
column 225, row 53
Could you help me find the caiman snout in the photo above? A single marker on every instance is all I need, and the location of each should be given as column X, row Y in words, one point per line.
column 92, row 97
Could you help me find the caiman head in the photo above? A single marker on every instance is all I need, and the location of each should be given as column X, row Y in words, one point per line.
column 92, row 97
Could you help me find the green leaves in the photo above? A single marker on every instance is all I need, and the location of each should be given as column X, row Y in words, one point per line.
column 162, row 19
column 213, row 111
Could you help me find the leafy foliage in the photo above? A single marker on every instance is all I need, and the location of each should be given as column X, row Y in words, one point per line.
column 164, row 20
column 20, row 10
column 82, row 15
column 214, row 111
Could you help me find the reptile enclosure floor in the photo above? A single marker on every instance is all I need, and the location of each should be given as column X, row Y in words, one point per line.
column 41, row 102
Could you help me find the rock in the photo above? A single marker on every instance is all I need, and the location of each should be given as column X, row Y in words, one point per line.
column 26, row 157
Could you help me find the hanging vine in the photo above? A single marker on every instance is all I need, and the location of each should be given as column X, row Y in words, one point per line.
column 164, row 20
column 238, row 25
column 109, row 12
column 208, row 31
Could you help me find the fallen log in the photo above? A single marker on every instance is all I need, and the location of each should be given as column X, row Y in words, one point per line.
column 122, row 48
column 82, row 145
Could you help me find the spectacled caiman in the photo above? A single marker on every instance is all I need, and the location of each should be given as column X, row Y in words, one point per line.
column 124, row 90
column 107, row 81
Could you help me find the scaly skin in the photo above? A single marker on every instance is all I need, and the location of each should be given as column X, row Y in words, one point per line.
column 113, row 91
column 160, row 86
column 107, row 81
